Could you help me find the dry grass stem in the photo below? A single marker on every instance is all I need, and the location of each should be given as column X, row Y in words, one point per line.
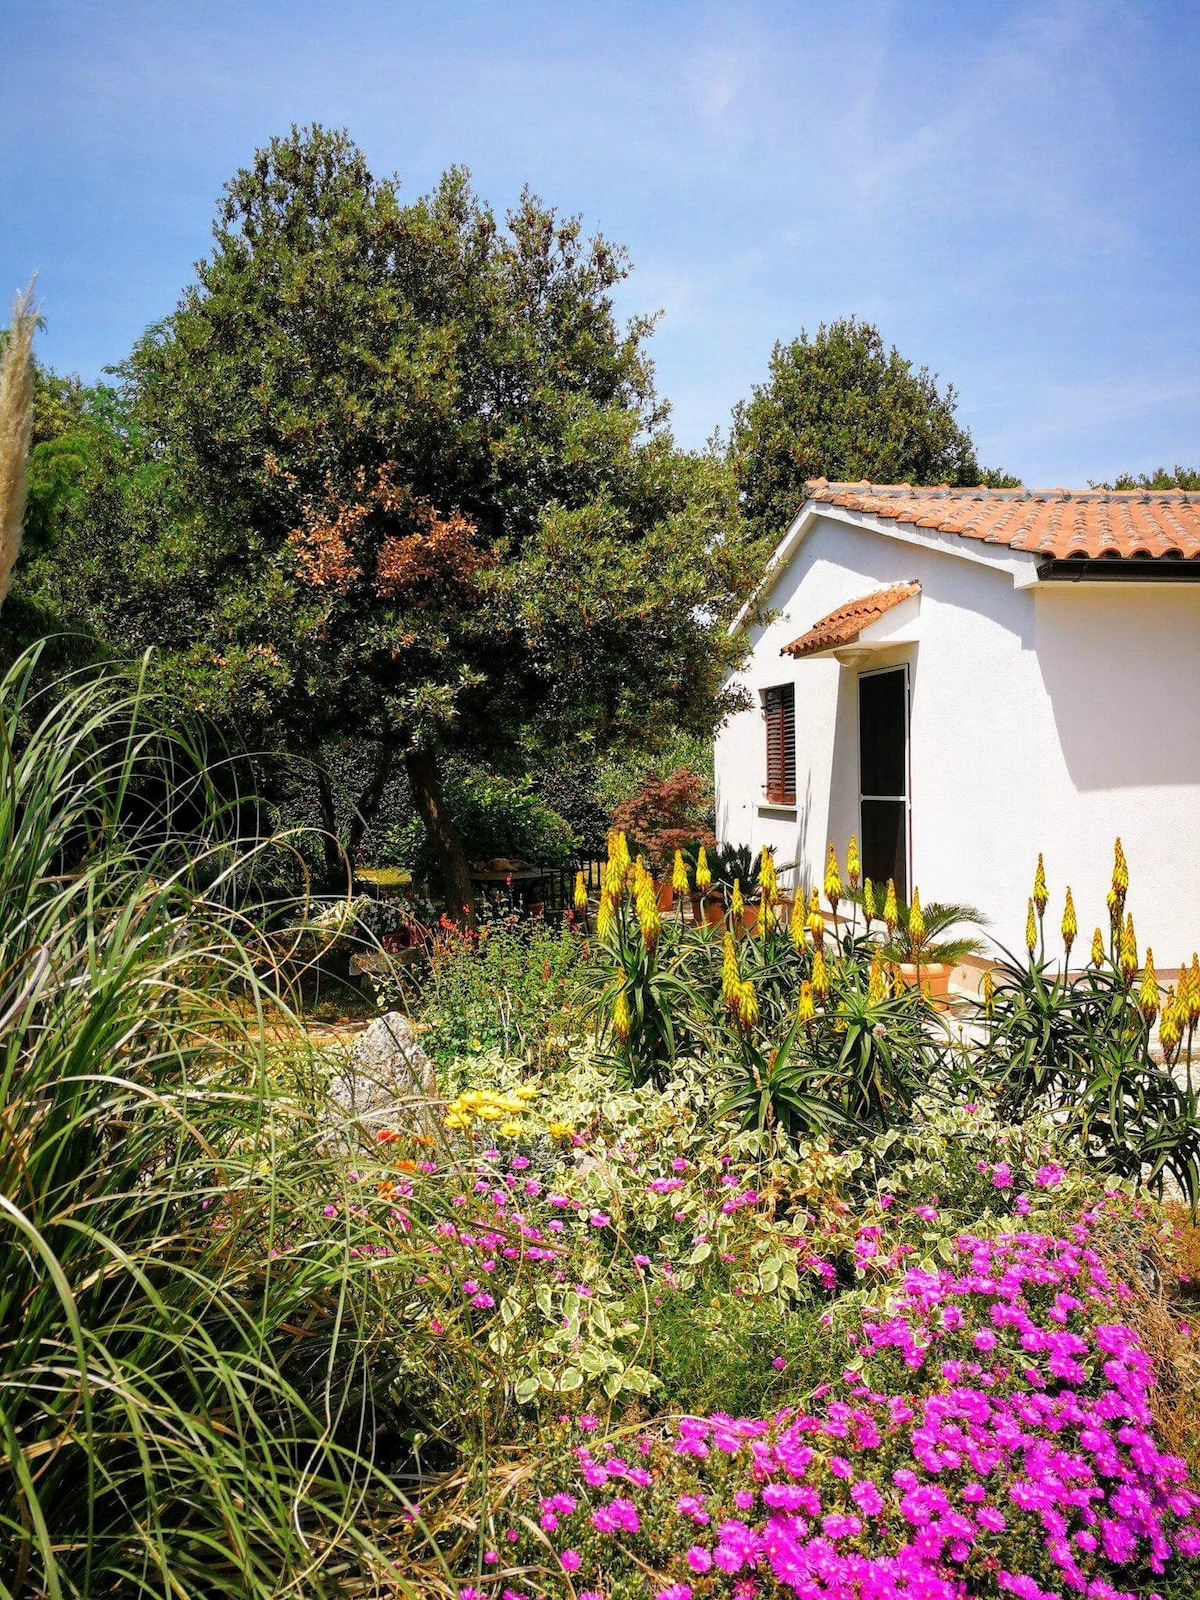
column 16, row 430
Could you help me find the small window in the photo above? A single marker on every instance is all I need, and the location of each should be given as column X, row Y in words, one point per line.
column 779, row 713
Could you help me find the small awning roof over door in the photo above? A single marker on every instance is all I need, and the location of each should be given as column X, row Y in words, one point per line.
column 845, row 626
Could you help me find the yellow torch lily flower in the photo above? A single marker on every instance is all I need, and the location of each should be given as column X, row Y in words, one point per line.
column 891, row 911
column 799, row 918
column 1040, row 893
column 1194, row 990
column 988, row 990
column 916, row 921
column 820, row 973
column 1070, row 927
column 768, row 882
column 876, row 982
column 581, row 894
column 1148, row 995
column 833, row 879
column 646, row 905
column 869, row 902
column 736, row 903
column 1097, row 949
column 1170, row 1029
column 679, row 875
column 806, row 1010
column 730, row 976
column 1031, row 930
column 853, row 862
column 622, row 1016
column 703, row 875
column 1129, row 955
column 747, row 1004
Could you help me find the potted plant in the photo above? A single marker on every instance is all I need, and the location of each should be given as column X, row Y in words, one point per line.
column 918, row 942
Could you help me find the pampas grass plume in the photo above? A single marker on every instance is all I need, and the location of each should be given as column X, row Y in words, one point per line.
column 16, row 430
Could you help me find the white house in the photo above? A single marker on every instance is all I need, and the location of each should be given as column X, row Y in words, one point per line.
column 966, row 677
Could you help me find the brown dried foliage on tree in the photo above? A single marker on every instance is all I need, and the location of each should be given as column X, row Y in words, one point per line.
column 665, row 815
column 410, row 550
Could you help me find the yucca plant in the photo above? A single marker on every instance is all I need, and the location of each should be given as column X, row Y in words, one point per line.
column 177, row 1338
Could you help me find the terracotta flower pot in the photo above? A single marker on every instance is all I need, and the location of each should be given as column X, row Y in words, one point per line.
column 934, row 977
column 750, row 918
column 714, row 912
column 666, row 896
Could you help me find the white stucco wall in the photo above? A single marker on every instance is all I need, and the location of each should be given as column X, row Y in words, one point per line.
column 1049, row 717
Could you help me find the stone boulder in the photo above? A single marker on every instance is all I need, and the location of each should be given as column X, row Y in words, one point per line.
column 389, row 1081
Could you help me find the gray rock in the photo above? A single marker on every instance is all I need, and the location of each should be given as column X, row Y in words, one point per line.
column 389, row 1081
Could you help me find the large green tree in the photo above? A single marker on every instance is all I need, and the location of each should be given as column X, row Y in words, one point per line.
column 422, row 492
column 839, row 404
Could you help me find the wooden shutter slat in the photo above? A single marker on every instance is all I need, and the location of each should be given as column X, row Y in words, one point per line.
column 779, row 715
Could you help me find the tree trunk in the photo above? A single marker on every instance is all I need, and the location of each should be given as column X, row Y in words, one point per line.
column 368, row 801
column 426, row 784
column 335, row 866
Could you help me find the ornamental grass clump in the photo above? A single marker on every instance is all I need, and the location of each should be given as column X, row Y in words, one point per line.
column 182, row 1354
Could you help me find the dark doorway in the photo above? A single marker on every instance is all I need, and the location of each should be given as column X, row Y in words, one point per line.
column 883, row 775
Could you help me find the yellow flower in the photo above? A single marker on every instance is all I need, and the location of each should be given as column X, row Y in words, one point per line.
column 703, row 875
column 1194, row 990
column 816, row 922
column 989, row 990
column 1070, row 926
column 806, row 1010
column 853, row 862
column 527, row 1092
column 618, row 852
column 1097, row 949
column 1120, row 877
column 898, row 983
column 869, row 902
column 820, row 973
column 456, row 1119
column 833, row 879
column 1031, row 930
column 736, row 904
column 679, row 875
column 1170, row 1029
column 768, row 883
column 876, row 982
column 510, row 1130
column 798, row 918
column 1148, row 995
column 1129, row 955
column 730, row 976
column 622, row 1017
column 489, row 1112
column 604, row 915
column 559, row 1130
column 581, row 894
column 1040, row 894
column 891, row 911
column 916, row 921
column 747, row 1004
column 646, row 905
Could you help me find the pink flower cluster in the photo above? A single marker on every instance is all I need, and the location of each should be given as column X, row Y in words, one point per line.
column 995, row 1429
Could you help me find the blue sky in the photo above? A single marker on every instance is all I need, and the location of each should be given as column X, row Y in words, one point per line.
column 1009, row 190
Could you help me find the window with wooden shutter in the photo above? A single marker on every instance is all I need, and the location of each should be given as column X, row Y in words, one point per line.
column 779, row 713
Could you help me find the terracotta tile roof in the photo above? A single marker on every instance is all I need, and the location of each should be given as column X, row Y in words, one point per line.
column 845, row 624
column 1056, row 523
